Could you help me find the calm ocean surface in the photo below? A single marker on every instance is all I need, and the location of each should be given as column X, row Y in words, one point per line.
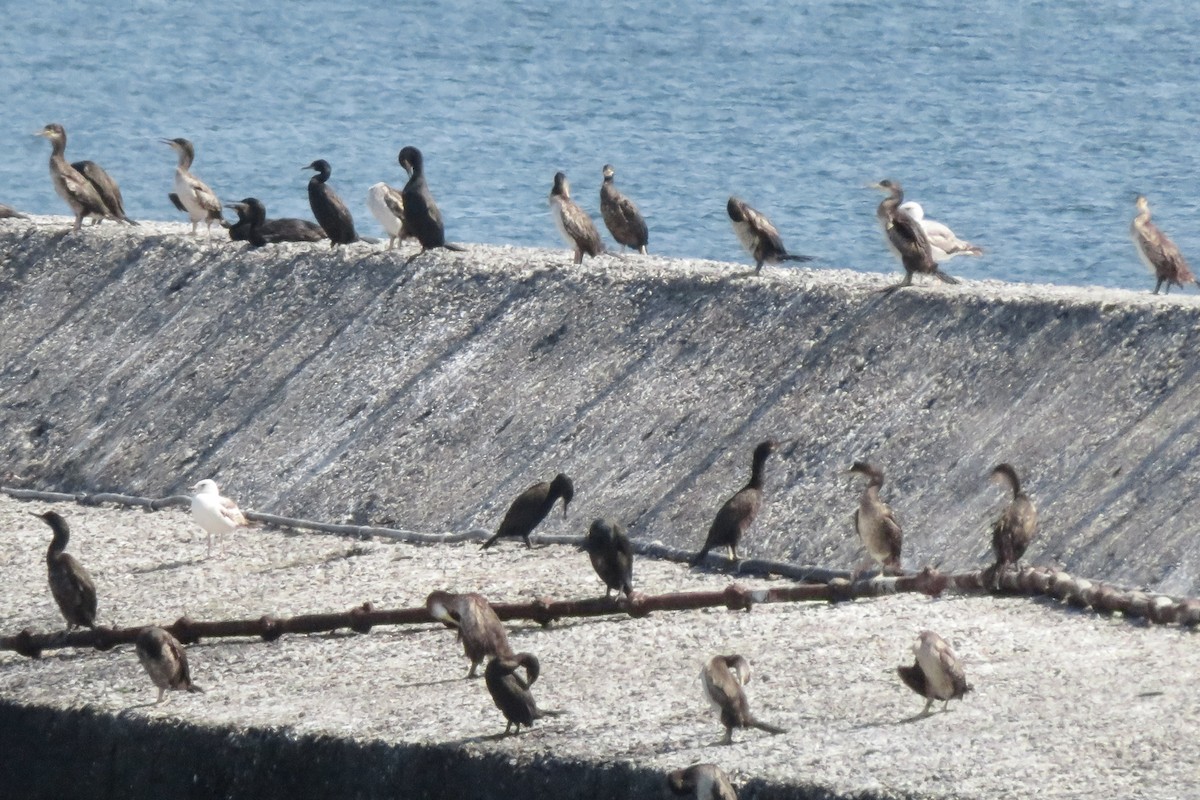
column 1028, row 127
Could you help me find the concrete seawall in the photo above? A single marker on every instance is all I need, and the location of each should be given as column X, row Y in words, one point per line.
column 347, row 385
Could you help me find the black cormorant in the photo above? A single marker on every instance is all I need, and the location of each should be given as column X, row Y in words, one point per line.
column 328, row 208
column 70, row 184
column 611, row 555
column 621, row 216
column 758, row 235
column 70, row 583
column 738, row 513
column 193, row 194
column 165, row 661
column 723, row 678
column 1158, row 252
column 1015, row 528
column 421, row 216
column 875, row 522
column 480, row 630
column 937, row 674
column 510, row 692
column 531, row 507
column 573, row 222
column 254, row 227
column 906, row 237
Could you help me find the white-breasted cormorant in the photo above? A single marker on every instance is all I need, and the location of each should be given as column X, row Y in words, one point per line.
column 738, row 513
column 723, row 678
column 387, row 206
column 611, row 554
column 758, row 235
column 531, row 507
column 8, row 212
column 70, row 583
column 875, row 522
column 906, row 237
column 1015, row 528
column 217, row 515
column 254, row 227
column 422, row 219
column 573, row 222
column 479, row 629
column 165, row 661
column 71, row 185
column 328, row 208
column 937, row 674
column 199, row 201
column 510, row 692
column 701, row 782
column 946, row 245
column 621, row 216
column 1158, row 252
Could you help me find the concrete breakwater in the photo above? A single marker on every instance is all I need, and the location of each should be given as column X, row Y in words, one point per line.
column 347, row 385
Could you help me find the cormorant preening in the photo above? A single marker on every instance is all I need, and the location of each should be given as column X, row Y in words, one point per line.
column 723, row 678
column 165, row 661
column 328, row 208
column 71, row 184
column 937, row 674
column 8, row 212
column 943, row 241
column 511, row 693
column 1158, row 252
column 906, row 237
column 531, row 507
column 875, row 522
column 199, row 201
column 1015, row 528
column 387, row 205
column 70, row 583
column 573, row 222
column 217, row 515
column 611, row 555
column 421, row 216
column 621, row 216
column 758, row 235
column 701, row 782
column 480, row 630
column 739, row 511
column 254, row 227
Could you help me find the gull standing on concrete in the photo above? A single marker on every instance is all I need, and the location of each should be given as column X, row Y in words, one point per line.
column 946, row 245
column 875, row 522
column 387, row 206
column 165, row 661
column 479, row 629
column 701, row 782
column 1014, row 530
column 937, row 674
column 1158, row 252
column 72, row 586
column 758, row 235
column 906, row 237
column 573, row 222
column 217, row 515
column 531, row 507
column 739, row 512
column 72, row 185
column 191, row 193
column 723, row 678
column 621, row 216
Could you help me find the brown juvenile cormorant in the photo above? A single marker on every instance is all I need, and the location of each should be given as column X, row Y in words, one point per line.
column 611, row 555
column 70, row 583
column 1158, row 252
column 701, row 782
column 480, row 630
column 422, row 219
column 328, row 208
column 387, row 205
column 254, row 227
column 8, row 212
column 531, row 507
column 1015, row 528
column 739, row 511
column 216, row 514
column 165, row 661
column 106, row 187
column 621, row 216
column 511, row 693
column 943, row 241
column 758, row 235
column 906, row 237
column 875, row 522
column 937, row 674
column 723, row 679
column 70, row 184
column 199, row 201
column 573, row 222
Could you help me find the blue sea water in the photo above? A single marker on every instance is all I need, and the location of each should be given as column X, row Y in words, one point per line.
column 1026, row 126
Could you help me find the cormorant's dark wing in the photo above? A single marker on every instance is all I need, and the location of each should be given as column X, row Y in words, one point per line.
column 733, row 518
column 762, row 226
column 105, row 186
column 623, row 219
column 1161, row 251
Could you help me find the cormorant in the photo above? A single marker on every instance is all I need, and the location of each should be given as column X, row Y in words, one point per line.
column 1015, row 528
column 511, row 693
column 387, row 204
column 531, row 507
column 758, row 235
column 421, row 216
column 875, row 522
column 70, row 583
column 946, row 245
column 254, row 227
column 937, row 674
column 1158, row 252
column 701, row 782
column 217, row 515
column 738, row 513
column 8, row 212
column 193, row 194
column 69, row 183
column 106, row 187
column 328, row 208
column 723, row 679
column 165, row 661
column 611, row 555
column 480, row 630
column 621, row 216
column 573, row 222
column 906, row 237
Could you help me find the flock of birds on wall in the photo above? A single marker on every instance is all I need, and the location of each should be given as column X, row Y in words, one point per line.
column 921, row 244
column 936, row 675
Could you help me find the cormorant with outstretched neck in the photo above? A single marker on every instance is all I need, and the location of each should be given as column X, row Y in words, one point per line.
column 70, row 583
column 480, row 630
column 611, row 555
column 723, row 678
column 573, row 222
column 1015, row 528
column 1158, row 252
column 328, row 208
column 621, row 216
column 422, row 219
column 758, row 235
column 199, row 201
column 875, row 522
column 738, row 513
column 70, row 184
column 944, row 243
column 165, row 661
column 701, row 782
column 906, row 237
column 510, row 692
column 387, row 206
column 254, row 227
column 937, row 674
column 531, row 507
